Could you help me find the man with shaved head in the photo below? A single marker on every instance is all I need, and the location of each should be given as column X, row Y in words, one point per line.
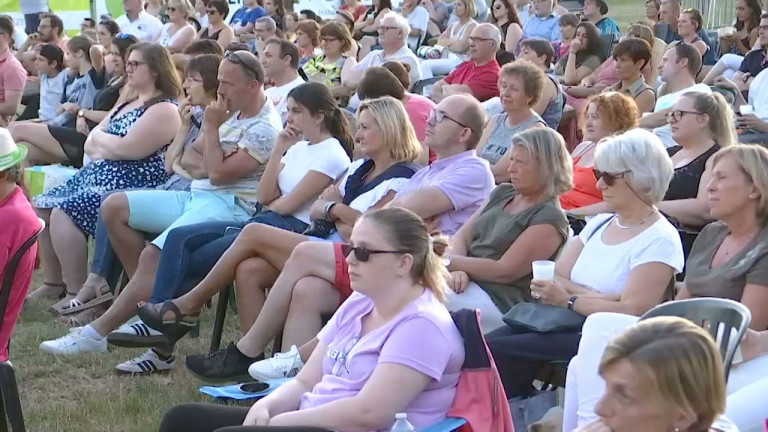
column 479, row 75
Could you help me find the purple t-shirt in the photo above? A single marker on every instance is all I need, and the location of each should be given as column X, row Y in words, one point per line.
column 422, row 336
column 465, row 178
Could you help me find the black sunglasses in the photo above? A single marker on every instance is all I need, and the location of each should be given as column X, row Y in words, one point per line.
column 608, row 178
column 236, row 59
column 364, row 254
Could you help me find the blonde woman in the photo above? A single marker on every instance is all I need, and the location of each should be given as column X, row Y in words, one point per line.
column 178, row 33
column 409, row 349
column 453, row 42
column 728, row 260
column 662, row 374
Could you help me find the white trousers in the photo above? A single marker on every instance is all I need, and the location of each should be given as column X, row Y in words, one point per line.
column 436, row 67
column 475, row 297
column 747, row 405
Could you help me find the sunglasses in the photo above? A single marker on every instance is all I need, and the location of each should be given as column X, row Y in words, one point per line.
column 608, row 178
column 677, row 115
column 236, row 59
column 363, row 254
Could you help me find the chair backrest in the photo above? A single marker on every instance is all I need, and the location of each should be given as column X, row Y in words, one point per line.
column 720, row 317
column 10, row 271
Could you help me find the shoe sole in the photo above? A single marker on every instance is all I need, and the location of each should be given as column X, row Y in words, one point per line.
column 263, row 378
column 134, row 341
column 236, row 379
column 55, row 353
column 124, row 373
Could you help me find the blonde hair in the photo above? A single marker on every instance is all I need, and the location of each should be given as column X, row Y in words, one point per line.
column 753, row 160
column 408, row 232
column 720, row 113
column 184, row 6
column 555, row 163
column 680, row 363
column 395, row 126
column 471, row 8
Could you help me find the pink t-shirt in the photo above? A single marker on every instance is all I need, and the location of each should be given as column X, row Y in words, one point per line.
column 418, row 109
column 422, row 337
column 13, row 76
column 19, row 223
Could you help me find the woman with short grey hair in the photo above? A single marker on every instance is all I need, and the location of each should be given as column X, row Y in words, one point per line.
column 622, row 261
column 491, row 255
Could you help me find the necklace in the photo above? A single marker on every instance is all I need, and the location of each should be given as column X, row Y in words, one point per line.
column 618, row 224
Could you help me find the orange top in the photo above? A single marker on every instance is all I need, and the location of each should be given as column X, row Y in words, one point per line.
column 584, row 192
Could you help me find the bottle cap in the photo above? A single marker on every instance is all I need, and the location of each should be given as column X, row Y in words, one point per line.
column 400, row 416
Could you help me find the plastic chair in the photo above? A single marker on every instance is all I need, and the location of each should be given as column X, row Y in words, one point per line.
column 418, row 87
column 721, row 317
column 10, row 403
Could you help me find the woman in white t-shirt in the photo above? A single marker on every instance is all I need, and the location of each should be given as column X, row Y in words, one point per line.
column 620, row 262
column 389, row 145
column 177, row 34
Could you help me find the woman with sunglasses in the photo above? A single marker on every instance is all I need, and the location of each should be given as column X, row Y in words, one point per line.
column 388, row 145
column 126, row 150
column 701, row 124
column 178, row 33
column 504, row 16
column 520, row 86
column 620, row 262
column 217, row 28
column 729, row 260
column 394, row 337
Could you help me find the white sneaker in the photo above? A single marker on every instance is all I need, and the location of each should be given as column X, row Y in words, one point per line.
column 145, row 364
column 282, row 365
column 136, row 334
column 73, row 343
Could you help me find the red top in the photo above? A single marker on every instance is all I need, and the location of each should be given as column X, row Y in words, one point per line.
column 19, row 224
column 584, row 192
column 359, row 11
column 482, row 80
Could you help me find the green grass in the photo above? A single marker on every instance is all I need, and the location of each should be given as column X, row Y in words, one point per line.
column 83, row 394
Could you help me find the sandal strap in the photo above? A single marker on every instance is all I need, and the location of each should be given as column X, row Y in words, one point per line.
column 170, row 306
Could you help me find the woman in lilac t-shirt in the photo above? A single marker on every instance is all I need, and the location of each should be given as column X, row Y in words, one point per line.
column 391, row 347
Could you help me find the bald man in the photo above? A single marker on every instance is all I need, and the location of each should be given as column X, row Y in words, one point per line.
column 479, row 75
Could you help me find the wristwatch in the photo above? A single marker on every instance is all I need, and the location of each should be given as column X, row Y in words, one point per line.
column 81, row 113
column 571, row 302
column 327, row 209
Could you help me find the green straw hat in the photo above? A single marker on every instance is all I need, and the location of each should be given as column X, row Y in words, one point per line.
column 10, row 153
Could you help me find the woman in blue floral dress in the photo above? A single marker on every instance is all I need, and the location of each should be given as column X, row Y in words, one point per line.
column 125, row 151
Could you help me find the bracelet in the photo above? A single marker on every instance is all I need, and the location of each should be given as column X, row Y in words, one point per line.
column 572, row 302
column 327, row 208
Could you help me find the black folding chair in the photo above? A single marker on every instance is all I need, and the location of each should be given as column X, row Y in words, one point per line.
column 720, row 317
column 10, row 403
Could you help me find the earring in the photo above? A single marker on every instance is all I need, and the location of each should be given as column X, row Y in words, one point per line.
column 751, row 196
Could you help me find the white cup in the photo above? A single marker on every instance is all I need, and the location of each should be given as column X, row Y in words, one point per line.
column 746, row 109
column 544, row 270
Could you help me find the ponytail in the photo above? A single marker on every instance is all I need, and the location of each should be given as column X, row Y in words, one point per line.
column 317, row 99
column 435, row 272
column 339, row 128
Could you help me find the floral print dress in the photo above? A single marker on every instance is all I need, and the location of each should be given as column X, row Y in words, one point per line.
column 80, row 196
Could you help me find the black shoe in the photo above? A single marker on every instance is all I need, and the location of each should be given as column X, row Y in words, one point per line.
column 224, row 365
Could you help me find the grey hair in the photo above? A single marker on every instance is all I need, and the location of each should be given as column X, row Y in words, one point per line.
column 495, row 32
column 269, row 21
column 644, row 156
column 555, row 163
column 400, row 22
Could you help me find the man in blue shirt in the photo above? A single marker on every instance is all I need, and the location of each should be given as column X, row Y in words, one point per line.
column 543, row 24
column 595, row 11
column 666, row 29
column 245, row 18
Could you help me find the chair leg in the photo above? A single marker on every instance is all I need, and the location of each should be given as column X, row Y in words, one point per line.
column 221, row 314
column 11, row 397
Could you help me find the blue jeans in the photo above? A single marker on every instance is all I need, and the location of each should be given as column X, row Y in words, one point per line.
column 190, row 252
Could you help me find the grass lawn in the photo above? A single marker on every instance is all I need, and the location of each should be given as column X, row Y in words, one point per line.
column 83, row 394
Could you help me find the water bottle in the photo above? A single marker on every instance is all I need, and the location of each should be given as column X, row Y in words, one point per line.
column 402, row 424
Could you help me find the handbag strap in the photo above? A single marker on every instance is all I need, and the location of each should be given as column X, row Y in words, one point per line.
column 602, row 224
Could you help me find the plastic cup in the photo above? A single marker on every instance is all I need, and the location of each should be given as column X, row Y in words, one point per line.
column 746, row 109
column 544, row 270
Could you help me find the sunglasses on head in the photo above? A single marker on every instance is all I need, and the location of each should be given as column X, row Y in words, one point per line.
column 236, row 59
column 363, row 254
column 608, row 178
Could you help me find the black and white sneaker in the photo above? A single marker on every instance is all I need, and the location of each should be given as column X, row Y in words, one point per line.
column 136, row 334
column 145, row 364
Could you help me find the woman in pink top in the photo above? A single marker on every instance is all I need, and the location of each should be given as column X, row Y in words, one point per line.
column 391, row 347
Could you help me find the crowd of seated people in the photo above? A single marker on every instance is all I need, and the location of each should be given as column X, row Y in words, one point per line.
column 317, row 165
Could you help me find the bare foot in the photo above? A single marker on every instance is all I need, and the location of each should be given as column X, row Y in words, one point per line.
column 48, row 291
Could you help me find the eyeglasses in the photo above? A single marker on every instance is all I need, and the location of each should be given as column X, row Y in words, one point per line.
column 383, row 29
column 676, row 115
column 235, row 58
column 437, row 116
column 609, row 178
column 133, row 64
column 476, row 39
column 363, row 254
